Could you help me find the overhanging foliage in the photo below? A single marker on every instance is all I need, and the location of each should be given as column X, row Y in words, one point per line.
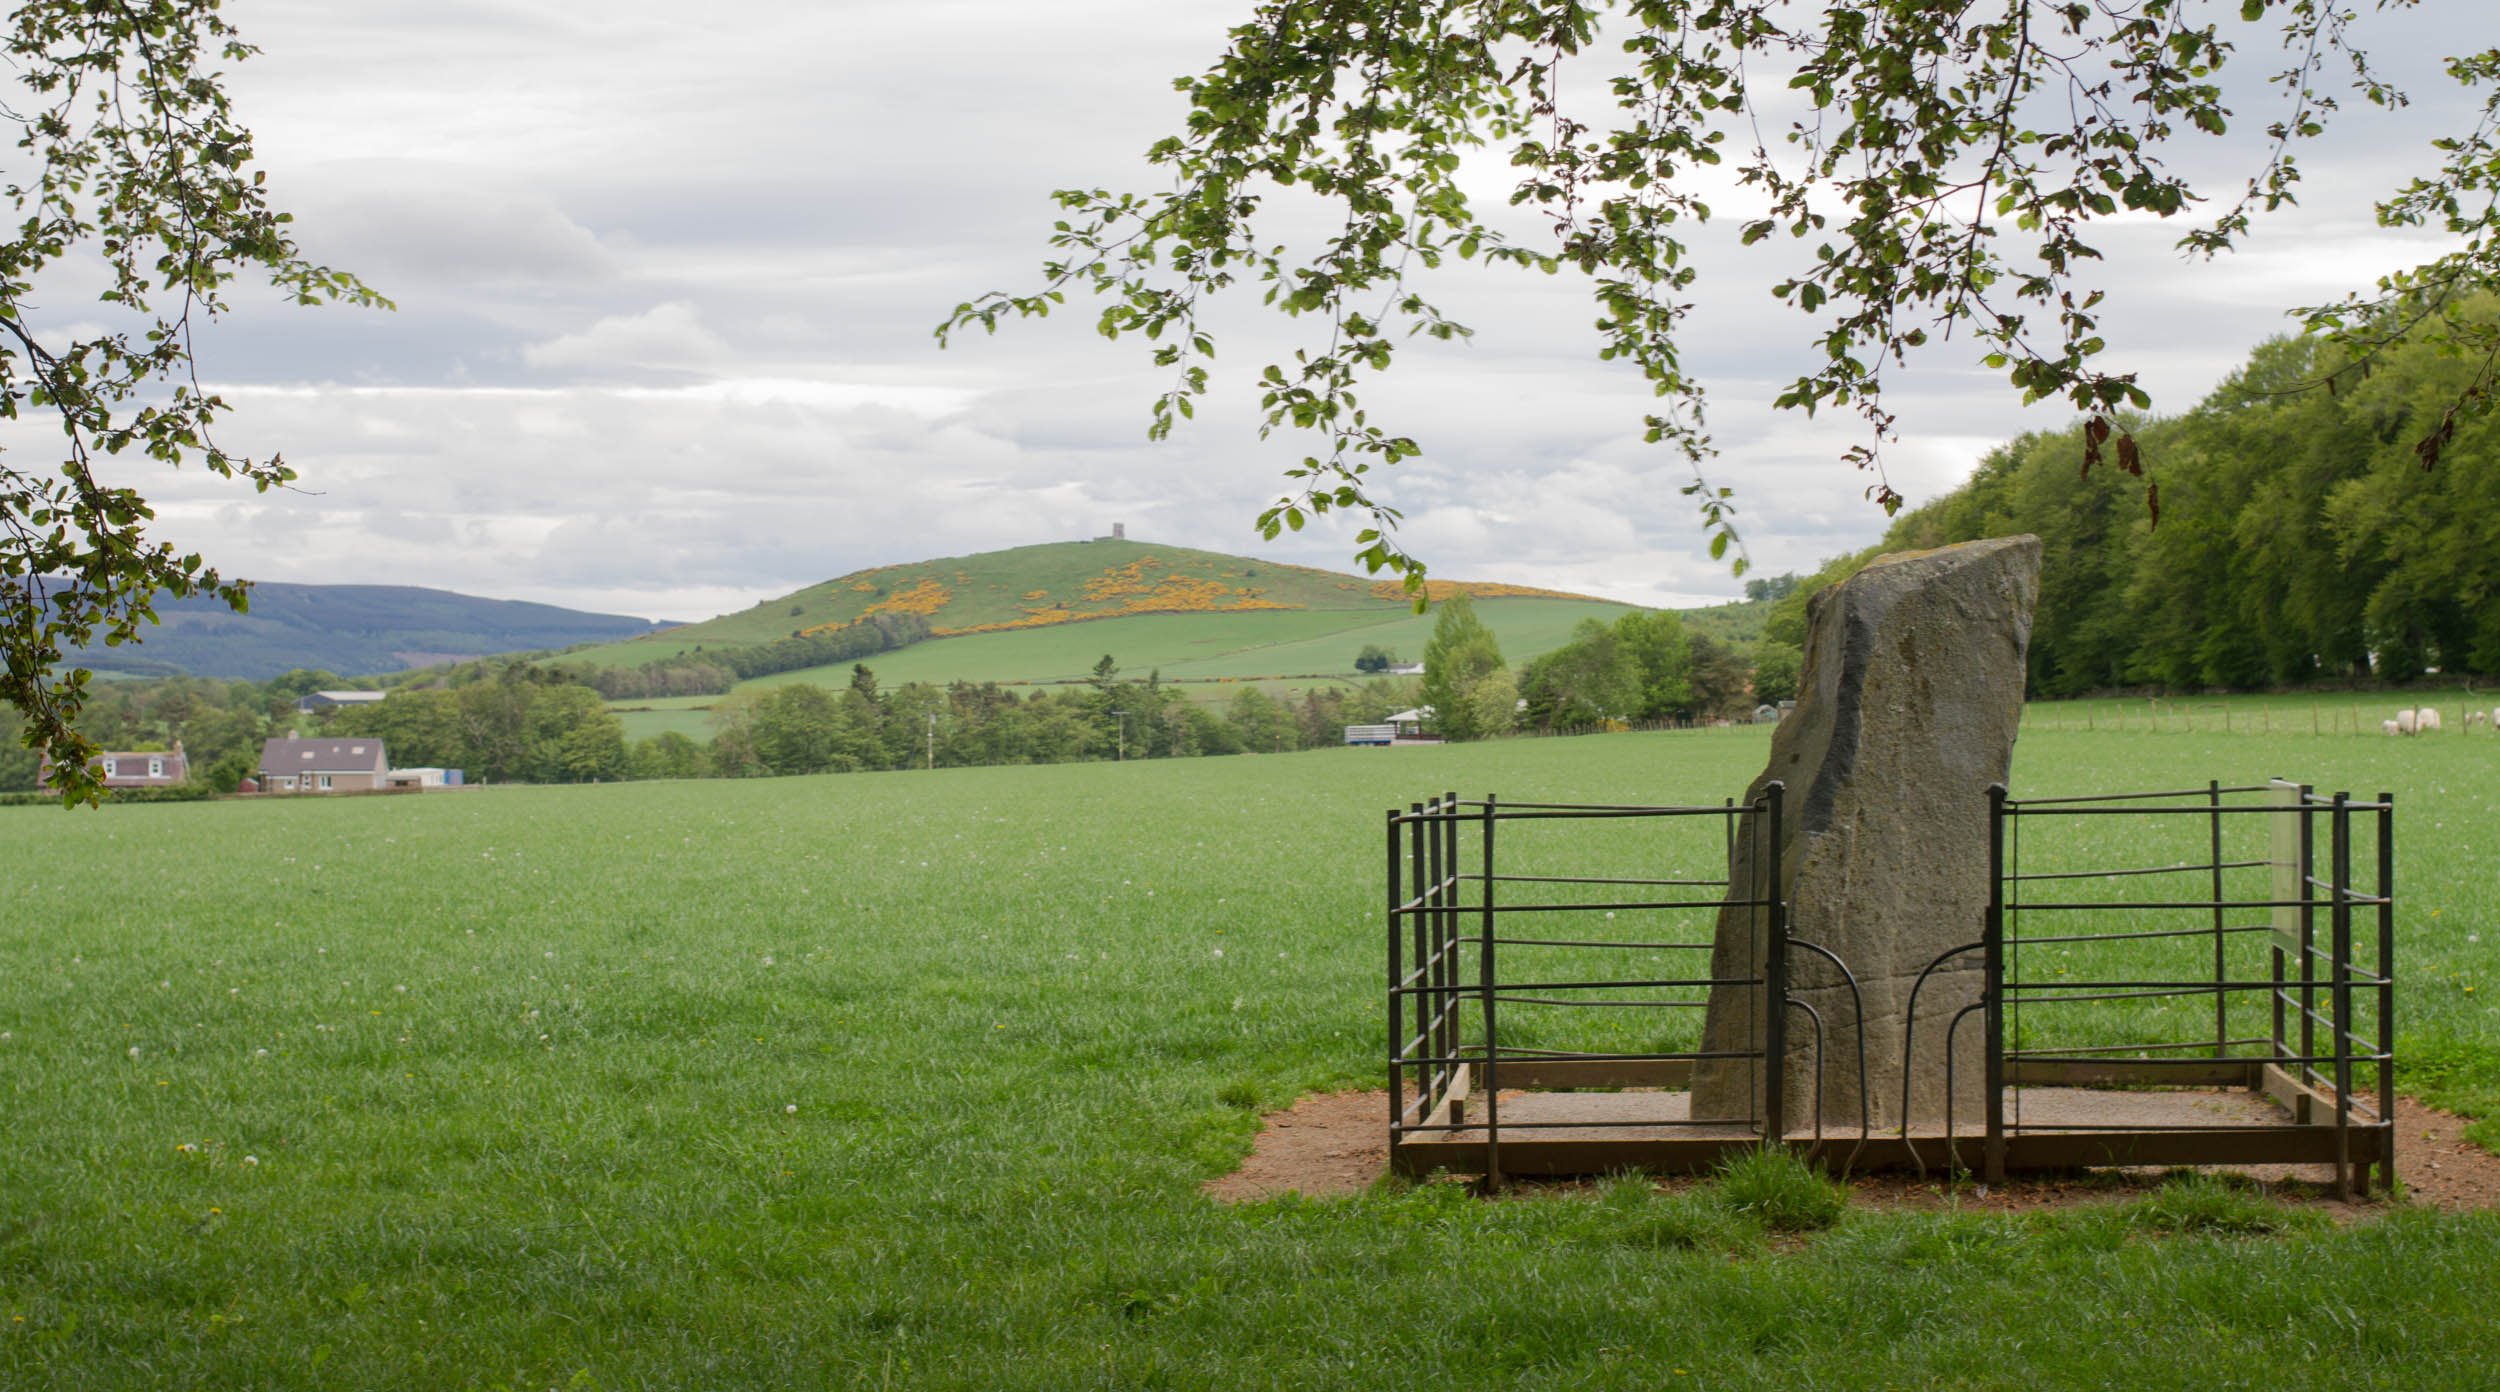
column 1947, row 172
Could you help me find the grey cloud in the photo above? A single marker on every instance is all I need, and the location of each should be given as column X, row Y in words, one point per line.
column 418, row 223
column 739, row 226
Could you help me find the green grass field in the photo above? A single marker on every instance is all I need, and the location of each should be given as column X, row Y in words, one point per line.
column 1195, row 648
column 1211, row 655
column 909, row 1080
column 690, row 716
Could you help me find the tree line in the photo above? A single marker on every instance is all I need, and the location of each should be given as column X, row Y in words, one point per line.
column 517, row 722
column 2303, row 534
column 700, row 673
column 499, row 721
column 1644, row 667
column 514, row 721
column 805, row 728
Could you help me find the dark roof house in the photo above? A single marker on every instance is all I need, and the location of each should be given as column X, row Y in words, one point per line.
column 140, row 768
column 322, row 765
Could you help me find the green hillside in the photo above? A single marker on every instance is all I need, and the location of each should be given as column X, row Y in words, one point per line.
column 1281, row 650
column 1737, row 623
column 1033, row 589
column 1230, row 647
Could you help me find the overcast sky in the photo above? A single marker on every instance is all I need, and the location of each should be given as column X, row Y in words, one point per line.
column 666, row 276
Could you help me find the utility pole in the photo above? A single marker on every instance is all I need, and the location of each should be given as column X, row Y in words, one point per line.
column 932, row 764
column 1120, row 754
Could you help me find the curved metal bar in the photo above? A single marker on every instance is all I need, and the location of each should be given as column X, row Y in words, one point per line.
column 1952, row 1148
column 1909, row 1033
column 1817, row 1017
column 1857, row 1002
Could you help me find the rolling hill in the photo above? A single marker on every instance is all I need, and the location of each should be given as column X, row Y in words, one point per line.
column 353, row 630
column 1028, row 589
column 1035, row 615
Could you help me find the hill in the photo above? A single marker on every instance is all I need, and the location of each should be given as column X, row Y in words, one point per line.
column 348, row 629
column 1029, row 588
column 1277, row 648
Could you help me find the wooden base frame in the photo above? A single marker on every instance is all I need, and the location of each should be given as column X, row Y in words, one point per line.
column 2308, row 1134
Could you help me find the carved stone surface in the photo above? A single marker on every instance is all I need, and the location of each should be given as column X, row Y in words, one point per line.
column 1911, row 691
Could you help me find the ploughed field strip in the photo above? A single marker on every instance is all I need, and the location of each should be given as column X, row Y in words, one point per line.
column 2201, row 977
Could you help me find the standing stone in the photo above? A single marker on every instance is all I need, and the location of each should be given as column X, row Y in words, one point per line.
column 1908, row 702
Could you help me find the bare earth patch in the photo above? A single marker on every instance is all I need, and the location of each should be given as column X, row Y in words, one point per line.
column 1337, row 1143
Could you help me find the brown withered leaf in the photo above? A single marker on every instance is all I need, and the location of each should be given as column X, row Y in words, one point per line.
column 2427, row 448
column 2128, row 458
column 2095, row 430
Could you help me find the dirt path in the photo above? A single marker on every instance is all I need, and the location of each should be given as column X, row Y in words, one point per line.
column 1337, row 1143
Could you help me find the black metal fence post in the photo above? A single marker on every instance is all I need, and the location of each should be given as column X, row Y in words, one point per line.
column 1992, row 932
column 2222, row 969
column 1397, row 979
column 2308, row 1071
column 1433, row 920
column 2387, row 991
column 2340, row 921
column 1774, row 909
column 1492, row 1040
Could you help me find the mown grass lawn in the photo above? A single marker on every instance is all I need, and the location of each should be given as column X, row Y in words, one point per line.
column 910, row 1080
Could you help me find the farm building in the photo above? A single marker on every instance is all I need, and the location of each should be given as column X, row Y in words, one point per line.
column 314, row 701
column 322, row 765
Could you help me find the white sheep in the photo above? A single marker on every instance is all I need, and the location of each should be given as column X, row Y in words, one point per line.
column 2390, row 727
column 2403, row 723
column 2426, row 720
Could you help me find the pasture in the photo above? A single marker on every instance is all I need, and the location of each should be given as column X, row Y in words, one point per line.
column 1209, row 656
column 910, row 1079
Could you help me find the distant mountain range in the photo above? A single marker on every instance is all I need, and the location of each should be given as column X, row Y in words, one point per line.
column 353, row 630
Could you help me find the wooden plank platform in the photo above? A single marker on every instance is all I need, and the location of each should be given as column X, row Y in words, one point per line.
column 2047, row 1128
